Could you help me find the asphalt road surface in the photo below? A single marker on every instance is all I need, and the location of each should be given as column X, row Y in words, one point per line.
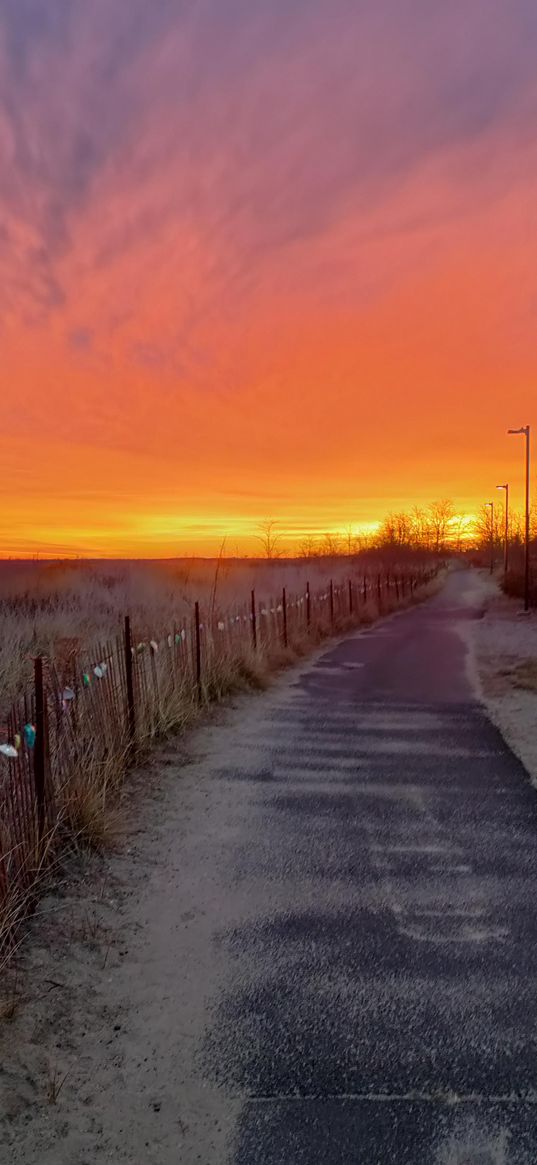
column 386, row 1004
column 329, row 950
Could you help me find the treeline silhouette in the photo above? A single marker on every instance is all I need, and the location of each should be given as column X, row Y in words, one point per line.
column 436, row 528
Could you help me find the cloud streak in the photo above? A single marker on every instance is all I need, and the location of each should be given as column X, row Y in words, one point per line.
column 267, row 122
column 216, row 209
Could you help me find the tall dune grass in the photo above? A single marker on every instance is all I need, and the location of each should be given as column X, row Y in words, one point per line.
column 89, row 742
column 55, row 608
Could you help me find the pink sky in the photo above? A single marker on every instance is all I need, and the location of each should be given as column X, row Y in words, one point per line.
column 260, row 259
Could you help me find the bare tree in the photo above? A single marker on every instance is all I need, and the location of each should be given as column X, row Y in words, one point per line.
column 483, row 527
column 458, row 531
column 421, row 528
column 308, row 548
column 269, row 538
column 330, row 546
column 352, row 542
column 396, row 530
column 516, row 528
column 441, row 514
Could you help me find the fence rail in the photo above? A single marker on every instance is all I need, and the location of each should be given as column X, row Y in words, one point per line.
column 68, row 742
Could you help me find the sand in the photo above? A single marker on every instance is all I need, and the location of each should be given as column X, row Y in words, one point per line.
column 503, row 663
column 95, row 1064
column 83, row 1077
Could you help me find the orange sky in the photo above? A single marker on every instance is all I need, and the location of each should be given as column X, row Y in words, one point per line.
column 260, row 262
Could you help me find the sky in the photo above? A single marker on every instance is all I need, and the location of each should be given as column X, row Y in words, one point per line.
column 261, row 259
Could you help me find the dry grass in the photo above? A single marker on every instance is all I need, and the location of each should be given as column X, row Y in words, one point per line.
column 90, row 928
column 90, row 750
column 522, row 675
column 35, row 869
column 58, row 609
column 55, row 1082
column 10, row 997
column 89, row 800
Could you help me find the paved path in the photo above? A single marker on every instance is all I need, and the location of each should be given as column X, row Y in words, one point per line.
column 338, row 954
column 394, row 972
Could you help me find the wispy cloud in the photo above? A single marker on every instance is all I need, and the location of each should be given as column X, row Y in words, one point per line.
column 233, row 203
column 251, row 125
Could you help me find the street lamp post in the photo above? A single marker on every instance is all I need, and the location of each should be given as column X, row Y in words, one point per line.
column 491, row 504
column 525, row 431
column 506, row 535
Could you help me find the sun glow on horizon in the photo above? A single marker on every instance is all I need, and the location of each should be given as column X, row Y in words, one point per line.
column 163, row 536
column 280, row 264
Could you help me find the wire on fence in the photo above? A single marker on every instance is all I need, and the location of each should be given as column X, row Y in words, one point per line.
column 74, row 735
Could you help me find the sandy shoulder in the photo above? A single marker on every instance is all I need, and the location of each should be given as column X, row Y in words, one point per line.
column 99, row 1061
column 503, row 663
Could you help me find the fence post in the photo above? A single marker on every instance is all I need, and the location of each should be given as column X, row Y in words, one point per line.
column 198, row 649
column 365, row 588
column 254, row 622
column 331, row 602
column 350, row 597
column 40, row 746
column 308, row 605
column 284, row 608
column 379, row 591
column 129, row 676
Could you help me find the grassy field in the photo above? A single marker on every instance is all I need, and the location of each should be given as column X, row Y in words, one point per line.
column 92, row 729
column 59, row 608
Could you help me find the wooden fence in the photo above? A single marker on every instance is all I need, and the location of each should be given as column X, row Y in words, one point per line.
column 70, row 740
